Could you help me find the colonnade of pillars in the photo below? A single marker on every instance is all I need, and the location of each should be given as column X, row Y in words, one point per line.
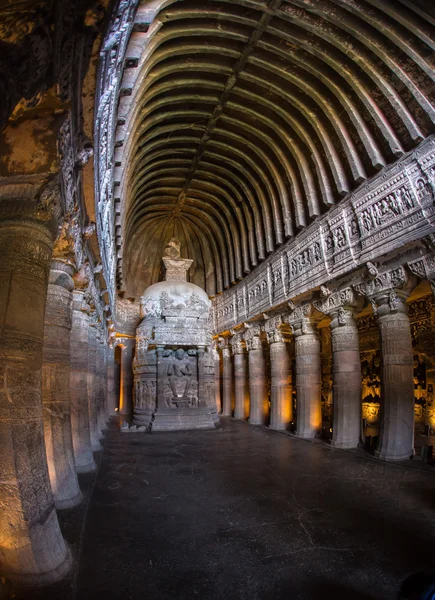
column 56, row 389
column 247, row 378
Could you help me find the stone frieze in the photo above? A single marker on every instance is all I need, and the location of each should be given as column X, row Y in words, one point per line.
column 392, row 209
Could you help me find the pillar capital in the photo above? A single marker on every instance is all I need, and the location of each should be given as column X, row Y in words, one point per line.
column 252, row 337
column 61, row 273
column 225, row 347
column 340, row 305
column 238, row 344
column 80, row 302
column 424, row 268
column 32, row 199
column 214, row 350
column 272, row 328
column 387, row 290
column 301, row 319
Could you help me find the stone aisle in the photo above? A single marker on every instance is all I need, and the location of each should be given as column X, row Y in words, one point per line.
column 247, row 513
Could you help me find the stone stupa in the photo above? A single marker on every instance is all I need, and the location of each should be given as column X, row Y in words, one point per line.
column 174, row 377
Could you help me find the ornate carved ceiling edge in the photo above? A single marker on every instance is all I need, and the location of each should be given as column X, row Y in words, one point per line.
column 367, row 131
column 393, row 209
column 112, row 58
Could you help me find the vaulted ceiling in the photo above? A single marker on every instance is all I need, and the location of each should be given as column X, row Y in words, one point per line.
column 241, row 121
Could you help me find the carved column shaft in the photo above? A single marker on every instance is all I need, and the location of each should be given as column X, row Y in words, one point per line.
column 217, row 380
column 281, row 408
column 241, row 392
column 258, row 393
column 126, row 396
column 227, row 383
column 397, row 384
column 32, row 549
column 101, row 383
column 346, row 366
column 112, row 400
column 92, row 390
column 80, row 419
column 56, row 399
column 308, row 382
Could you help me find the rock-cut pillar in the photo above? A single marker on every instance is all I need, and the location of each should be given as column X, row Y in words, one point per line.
column 112, row 400
column 126, row 394
column 56, row 397
column 32, row 549
column 92, row 385
column 80, row 424
column 217, row 379
column 241, row 389
column 397, row 381
column 281, row 408
column 308, row 380
column 258, row 388
column 346, row 374
column 227, row 382
column 101, row 383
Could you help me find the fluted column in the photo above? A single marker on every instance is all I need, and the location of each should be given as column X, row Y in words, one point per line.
column 56, row 398
column 387, row 291
column 32, row 549
column 126, row 396
column 80, row 422
column 227, row 382
column 241, row 391
column 397, row 381
column 101, row 381
column 112, row 401
column 308, row 373
column 92, row 385
column 281, row 408
column 258, row 392
column 217, row 378
column 346, row 373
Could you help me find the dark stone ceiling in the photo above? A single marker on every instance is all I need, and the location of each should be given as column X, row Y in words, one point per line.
column 249, row 119
column 239, row 122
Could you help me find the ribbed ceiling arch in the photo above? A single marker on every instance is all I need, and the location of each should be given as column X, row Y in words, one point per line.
column 241, row 122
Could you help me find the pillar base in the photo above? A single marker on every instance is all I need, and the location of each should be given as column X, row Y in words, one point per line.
column 393, row 457
column 256, row 422
column 87, row 468
column 344, row 445
column 68, row 502
column 240, row 417
column 308, row 435
column 41, row 579
column 278, row 427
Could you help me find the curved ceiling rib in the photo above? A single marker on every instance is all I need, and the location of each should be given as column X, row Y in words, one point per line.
column 240, row 122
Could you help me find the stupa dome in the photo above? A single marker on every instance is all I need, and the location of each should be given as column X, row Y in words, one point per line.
column 175, row 296
column 180, row 296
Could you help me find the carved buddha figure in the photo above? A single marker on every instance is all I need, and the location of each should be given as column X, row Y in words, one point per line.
column 179, row 375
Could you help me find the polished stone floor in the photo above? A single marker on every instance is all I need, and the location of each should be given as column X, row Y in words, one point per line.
column 245, row 513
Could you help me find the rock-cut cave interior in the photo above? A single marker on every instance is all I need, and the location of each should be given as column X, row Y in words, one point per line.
column 217, row 313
